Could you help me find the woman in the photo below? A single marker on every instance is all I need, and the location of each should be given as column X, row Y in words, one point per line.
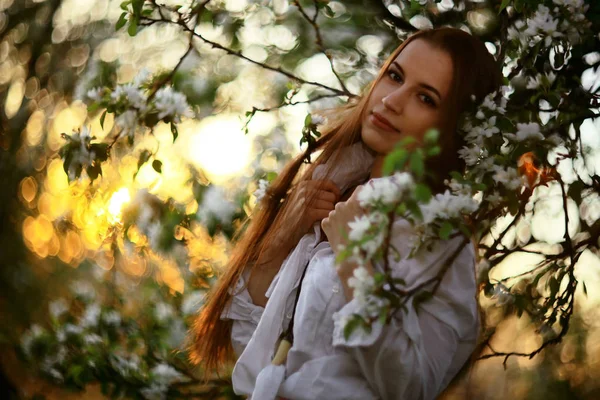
column 428, row 81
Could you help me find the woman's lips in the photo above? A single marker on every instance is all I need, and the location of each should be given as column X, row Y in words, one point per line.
column 379, row 121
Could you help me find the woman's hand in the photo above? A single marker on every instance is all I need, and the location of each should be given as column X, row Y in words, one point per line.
column 335, row 225
column 336, row 228
column 326, row 194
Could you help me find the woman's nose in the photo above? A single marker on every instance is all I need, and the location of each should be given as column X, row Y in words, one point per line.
column 395, row 100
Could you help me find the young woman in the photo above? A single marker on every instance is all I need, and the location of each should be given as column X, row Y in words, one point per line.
column 288, row 249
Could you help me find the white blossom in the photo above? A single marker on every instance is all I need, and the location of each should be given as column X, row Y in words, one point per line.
column 74, row 330
column 447, row 205
column 164, row 312
column 58, row 307
column 112, row 318
column 472, row 154
column 127, row 121
column 156, row 391
column 372, row 245
column 192, row 302
column 83, row 289
column 166, row 374
column 537, row 81
column 260, row 193
column 386, row 190
column 494, row 198
column 359, row 227
column 215, row 205
column 91, row 316
column 125, row 365
column 92, row 339
column 170, row 103
column 133, row 94
column 95, row 94
column 318, row 119
column 459, row 188
column 528, row 131
column 29, row 337
column 507, row 177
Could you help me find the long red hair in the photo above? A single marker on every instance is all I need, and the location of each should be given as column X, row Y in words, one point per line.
column 475, row 73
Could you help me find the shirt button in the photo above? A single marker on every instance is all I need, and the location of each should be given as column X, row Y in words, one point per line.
column 288, row 315
column 335, row 289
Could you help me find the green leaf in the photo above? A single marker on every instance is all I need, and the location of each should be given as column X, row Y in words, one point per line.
column 102, row 119
column 125, row 4
column 406, row 141
column 121, row 21
column 132, row 30
column 414, row 5
column 434, row 151
column 414, row 209
column 93, row 107
column 445, row 230
column 432, row 136
column 504, row 4
column 94, row 171
column 394, row 161
column 350, row 326
column 307, row 120
column 157, row 165
column 417, row 166
column 271, row 176
column 144, row 157
column 422, row 192
column 174, row 131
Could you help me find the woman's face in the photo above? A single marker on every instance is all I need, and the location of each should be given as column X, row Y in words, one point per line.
column 409, row 99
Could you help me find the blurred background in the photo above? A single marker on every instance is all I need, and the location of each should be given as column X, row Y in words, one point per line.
column 102, row 271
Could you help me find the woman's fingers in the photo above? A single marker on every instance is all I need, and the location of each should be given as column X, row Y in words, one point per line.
column 324, row 205
column 317, row 215
column 326, row 185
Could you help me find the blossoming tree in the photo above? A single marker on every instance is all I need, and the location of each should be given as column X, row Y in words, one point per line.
column 531, row 188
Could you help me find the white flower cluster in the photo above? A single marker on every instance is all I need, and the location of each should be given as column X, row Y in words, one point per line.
column 526, row 131
column 363, row 284
column 567, row 23
column 541, row 80
column 385, row 191
column 126, row 365
column 163, row 375
column 167, row 102
column 82, row 156
column 448, row 206
column 215, row 205
column 459, row 188
column 170, row 103
column 260, row 193
column 369, row 226
column 29, row 337
column 508, row 177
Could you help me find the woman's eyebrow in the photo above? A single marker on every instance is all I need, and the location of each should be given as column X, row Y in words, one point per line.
column 423, row 85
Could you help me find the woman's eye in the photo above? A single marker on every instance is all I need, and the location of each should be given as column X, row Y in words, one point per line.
column 395, row 76
column 428, row 100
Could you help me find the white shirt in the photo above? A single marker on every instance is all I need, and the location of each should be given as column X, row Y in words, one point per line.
column 413, row 357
